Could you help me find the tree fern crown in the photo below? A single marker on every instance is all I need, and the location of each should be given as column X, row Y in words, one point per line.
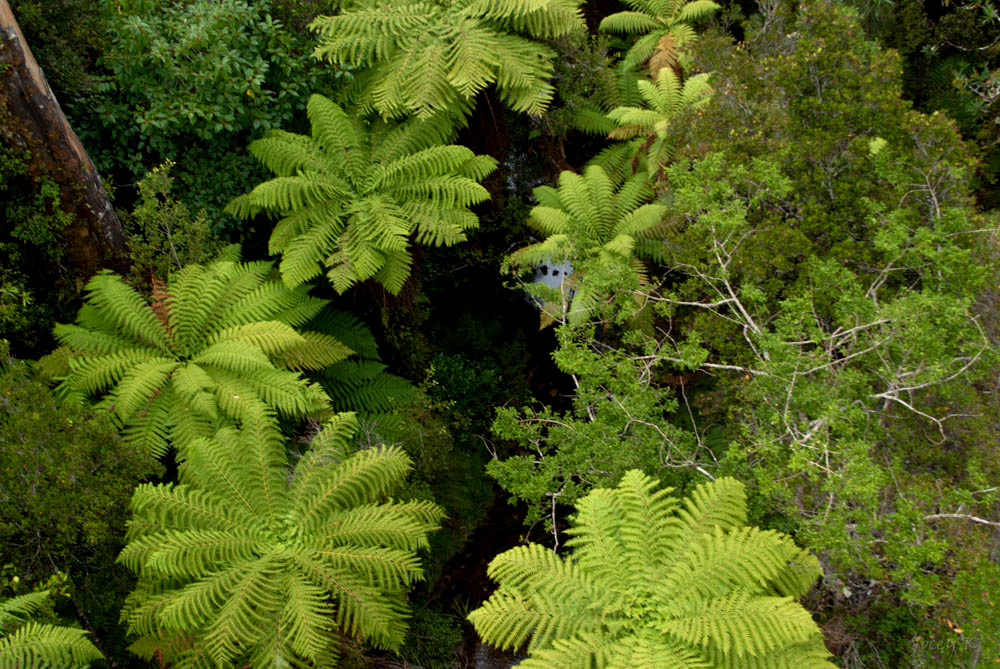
column 248, row 562
column 429, row 57
column 587, row 220
column 645, row 129
column 663, row 26
column 351, row 196
column 213, row 341
column 656, row 583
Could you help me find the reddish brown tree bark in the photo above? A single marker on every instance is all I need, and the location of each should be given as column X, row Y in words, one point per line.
column 31, row 119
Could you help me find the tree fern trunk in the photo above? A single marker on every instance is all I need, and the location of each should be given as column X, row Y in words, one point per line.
column 31, row 119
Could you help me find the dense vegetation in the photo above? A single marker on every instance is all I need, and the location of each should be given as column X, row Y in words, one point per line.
column 423, row 296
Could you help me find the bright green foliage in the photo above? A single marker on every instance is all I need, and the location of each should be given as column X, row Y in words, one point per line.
column 217, row 339
column 619, row 420
column 664, row 26
column 246, row 563
column 646, row 129
column 587, row 220
column 30, row 644
column 655, row 583
column 428, row 57
column 832, row 261
column 351, row 196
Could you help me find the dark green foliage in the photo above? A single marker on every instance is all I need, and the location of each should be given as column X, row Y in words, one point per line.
column 252, row 560
column 193, row 82
column 361, row 383
column 653, row 583
column 832, row 259
column 432, row 640
column 65, row 37
column 35, row 283
column 201, row 67
column 164, row 235
column 585, row 85
column 65, row 481
column 65, row 478
column 951, row 62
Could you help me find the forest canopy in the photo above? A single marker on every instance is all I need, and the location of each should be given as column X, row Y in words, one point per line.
column 564, row 333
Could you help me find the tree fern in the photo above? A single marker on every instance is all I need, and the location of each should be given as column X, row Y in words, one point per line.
column 645, row 130
column 251, row 562
column 427, row 57
column 351, row 196
column 213, row 341
column 588, row 220
column 663, row 26
column 26, row 643
column 655, row 583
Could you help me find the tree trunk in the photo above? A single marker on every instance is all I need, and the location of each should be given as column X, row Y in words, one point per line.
column 31, row 119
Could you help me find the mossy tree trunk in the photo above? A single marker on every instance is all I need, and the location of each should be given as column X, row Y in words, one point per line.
column 31, row 120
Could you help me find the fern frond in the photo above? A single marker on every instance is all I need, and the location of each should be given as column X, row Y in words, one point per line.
column 359, row 605
column 396, row 525
column 229, row 573
column 16, row 610
column 652, row 583
column 629, row 23
column 38, row 645
column 508, row 621
column 180, row 506
column 359, row 480
column 93, row 375
column 125, row 308
column 384, row 568
column 89, row 341
column 309, row 613
column 365, row 387
column 150, row 428
column 315, row 351
column 271, row 337
column 662, row 26
column 221, row 325
column 651, row 651
column 136, row 388
column 426, row 58
column 352, row 213
column 199, row 552
column 739, row 624
column 251, row 603
column 582, row 651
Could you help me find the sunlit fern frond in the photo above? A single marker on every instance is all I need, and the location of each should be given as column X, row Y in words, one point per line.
column 225, row 336
column 653, row 583
column 248, row 562
column 351, row 214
